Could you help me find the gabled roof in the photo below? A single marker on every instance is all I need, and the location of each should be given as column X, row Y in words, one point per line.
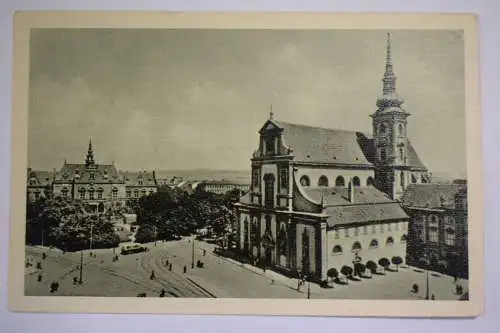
column 39, row 178
column 333, row 146
column 339, row 195
column 365, row 213
column 432, row 195
column 134, row 178
column 103, row 173
column 322, row 145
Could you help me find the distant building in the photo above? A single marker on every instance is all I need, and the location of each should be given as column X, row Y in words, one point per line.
column 438, row 230
column 222, row 186
column 99, row 185
column 324, row 198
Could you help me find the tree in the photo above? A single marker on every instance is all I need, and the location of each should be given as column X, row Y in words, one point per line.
column 384, row 262
column 332, row 273
column 145, row 233
column 359, row 268
column 397, row 260
column 372, row 266
column 347, row 271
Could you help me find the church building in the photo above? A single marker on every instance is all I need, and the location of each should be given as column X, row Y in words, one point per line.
column 325, row 198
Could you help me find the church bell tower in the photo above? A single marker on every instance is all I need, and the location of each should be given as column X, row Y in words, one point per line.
column 389, row 134
column 89, row 161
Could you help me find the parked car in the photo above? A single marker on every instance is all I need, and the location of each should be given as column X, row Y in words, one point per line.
column 133, row 248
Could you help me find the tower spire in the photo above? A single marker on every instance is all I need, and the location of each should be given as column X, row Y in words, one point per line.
column 90, row 155
column 389, row 95
column 271, row 113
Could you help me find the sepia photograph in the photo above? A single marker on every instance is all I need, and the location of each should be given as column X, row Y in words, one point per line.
column 246, row 162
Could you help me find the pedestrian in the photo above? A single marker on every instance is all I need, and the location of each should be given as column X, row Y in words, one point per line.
column 153, row 276
column 204, row 252
column 433, row 297
column 185, row 269
column 272, row 281
column 162, row 293
column 170, row 267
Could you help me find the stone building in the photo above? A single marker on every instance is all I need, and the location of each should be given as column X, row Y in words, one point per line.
column 322, row 198
column 438, row 226
column 222, row 186
column 99, row 185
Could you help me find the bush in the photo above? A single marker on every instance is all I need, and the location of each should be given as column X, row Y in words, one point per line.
column 332, row 273
column 372, row 266
column 384, row 262
column 54, row 286
column 347, row 271
column 396, row 260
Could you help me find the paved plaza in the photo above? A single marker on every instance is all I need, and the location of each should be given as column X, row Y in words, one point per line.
column 220, row 277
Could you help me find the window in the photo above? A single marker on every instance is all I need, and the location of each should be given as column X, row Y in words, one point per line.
column 383, row 154
column 129, row 194
column 323, row 181
column 402, row 178
column 356, row 182
column 91, row 176
column 374, row 244
column 136, row 193
column 284, row 177
column 365, row 230
column 339, row 181
column 304, row 181
column 382, row 129
column 419, row 233
column 140, row 181
column 346, row 231
column 64, row 192
column 337, row 234
column 143, row 193
column 389, row 241
column 449, row 237
column 255, row 178
column 337, row 249
column 401, row 154
column 374, row 229
column 356, row 231
column 91, row 194
column 114, row 193
column 381, row 228
column 433, row 235
column 422, row 179
column 389, row 227
column 99, row 195
column 269, row 190
column 37, row 195
column 404, row 238
column 413, row 179
column 82, row 193
column 356, row 247
column 270, row 146
column 369, row 181
column 400, row 130
column 151, row 192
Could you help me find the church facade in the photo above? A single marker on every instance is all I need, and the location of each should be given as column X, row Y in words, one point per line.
column 325, row 198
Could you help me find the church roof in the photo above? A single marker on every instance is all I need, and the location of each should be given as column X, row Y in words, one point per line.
column 364, row 213
column 103, row 173
column 432, row 195
column 133, row 178
column 39, row 178
column 324, row 145
column 339, row 195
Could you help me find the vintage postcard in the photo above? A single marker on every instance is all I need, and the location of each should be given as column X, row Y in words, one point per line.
column 246, row 163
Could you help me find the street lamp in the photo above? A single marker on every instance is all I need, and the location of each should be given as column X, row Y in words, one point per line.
column 427, row 264
column 192, row 262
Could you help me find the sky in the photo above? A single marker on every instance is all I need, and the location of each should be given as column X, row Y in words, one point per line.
column 169, row 99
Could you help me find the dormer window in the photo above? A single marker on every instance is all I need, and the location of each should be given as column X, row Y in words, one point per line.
column 91, row 176
column 382, row 129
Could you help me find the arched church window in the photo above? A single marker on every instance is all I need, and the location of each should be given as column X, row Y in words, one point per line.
column 374, row 243
column 339, row 181
column 400, row 130
column 356, row 182
column 337, row 249
column 382, row 130
column 305, row 252
column 270, row 146
column 269, row 189
column 323, row 181
column 389, row 241
column 356, row 247
column 401, row 154
column 369, row 181
column 305, row 181
column 402, row 180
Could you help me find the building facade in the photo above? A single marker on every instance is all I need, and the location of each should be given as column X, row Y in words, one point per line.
column 100, row 186
column 222, row 186
column 438, row 233
column 325, row 198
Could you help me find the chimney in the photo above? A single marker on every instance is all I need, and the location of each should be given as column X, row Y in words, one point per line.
column 350, row 192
